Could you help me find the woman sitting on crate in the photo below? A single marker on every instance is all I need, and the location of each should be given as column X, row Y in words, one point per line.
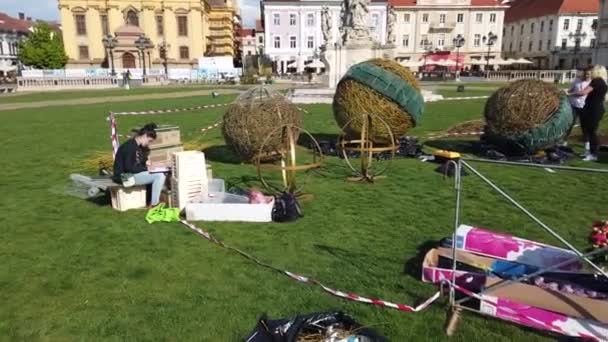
column 131, row 163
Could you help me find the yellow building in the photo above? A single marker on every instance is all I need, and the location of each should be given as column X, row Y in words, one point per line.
column 180, row 25
column 224, row 23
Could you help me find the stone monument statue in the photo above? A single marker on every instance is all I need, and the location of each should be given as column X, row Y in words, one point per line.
column 326, row 24
column 391, row 35
column 356, row 28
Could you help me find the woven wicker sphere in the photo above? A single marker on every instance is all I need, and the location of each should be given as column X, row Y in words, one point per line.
column 253, row 117
column 527, row 116
column 360, row 92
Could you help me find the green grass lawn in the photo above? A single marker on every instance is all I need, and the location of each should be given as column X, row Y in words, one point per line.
column 74, row 270
column 75, row 94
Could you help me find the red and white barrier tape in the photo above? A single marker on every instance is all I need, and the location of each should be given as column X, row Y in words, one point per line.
column 312, row 281
column 174, row 110
column 208, row 128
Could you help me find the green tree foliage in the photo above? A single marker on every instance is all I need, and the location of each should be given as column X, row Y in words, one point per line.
column 43, row 49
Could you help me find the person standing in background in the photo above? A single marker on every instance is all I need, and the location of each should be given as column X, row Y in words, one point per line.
column 594, row 109
column 578, row 102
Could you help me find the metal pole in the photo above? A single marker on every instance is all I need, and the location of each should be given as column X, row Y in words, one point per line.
column 534, row 218
column 555, row 167
column 143, row 58
column 112, row 61
column 458, row 187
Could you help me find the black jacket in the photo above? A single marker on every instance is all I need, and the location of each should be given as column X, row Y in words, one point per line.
column 130, row 158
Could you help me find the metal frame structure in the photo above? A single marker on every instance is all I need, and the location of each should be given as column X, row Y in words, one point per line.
column 459, row 166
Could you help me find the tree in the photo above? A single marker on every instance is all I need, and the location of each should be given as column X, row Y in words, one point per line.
column 43, row 49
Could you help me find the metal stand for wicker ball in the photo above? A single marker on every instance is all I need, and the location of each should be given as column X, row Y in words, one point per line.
column 367, row 148
column 287, row 158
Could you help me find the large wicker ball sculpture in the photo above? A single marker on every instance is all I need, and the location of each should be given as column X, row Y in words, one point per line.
column 527, row 116
column 253, row 117
column 382, row 88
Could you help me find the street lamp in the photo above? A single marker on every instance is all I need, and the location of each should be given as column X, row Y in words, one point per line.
column 577, row 37
column 489, row 41
column 143, row 43
column 163, row 48
column 458, row 42
column 110, row 43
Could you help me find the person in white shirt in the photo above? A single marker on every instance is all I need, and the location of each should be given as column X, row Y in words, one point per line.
column 578, row 102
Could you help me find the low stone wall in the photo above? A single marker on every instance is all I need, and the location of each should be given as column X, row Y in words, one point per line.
column 559, row 76
column 64, row 83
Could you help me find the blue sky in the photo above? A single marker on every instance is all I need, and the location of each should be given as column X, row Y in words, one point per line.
column 47, row 9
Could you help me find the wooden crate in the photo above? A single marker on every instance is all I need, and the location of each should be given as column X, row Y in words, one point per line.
column 124, row 199
column 166, row 136
column 163, row 155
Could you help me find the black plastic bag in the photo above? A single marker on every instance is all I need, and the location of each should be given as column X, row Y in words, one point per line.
column 286, row 208
column 288, row 330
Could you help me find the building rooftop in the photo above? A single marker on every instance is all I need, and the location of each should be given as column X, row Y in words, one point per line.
column 8, row 23
column 526, row 9
column 246, row 32
column 259, row 26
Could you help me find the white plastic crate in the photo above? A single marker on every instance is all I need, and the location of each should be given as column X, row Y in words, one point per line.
column 229, row 207
column 187, row 190
column 124, row 199
column 188, row 164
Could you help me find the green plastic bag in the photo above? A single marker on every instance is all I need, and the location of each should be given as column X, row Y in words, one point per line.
column 162, row 214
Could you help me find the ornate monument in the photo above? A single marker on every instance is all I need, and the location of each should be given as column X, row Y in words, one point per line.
column 326, row 24
column 391, row 31
column 356, row 29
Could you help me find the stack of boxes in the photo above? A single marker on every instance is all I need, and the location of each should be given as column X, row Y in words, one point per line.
column 189, row 181
column 168, row 141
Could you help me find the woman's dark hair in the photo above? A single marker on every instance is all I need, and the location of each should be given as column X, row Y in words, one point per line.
column 149, row 130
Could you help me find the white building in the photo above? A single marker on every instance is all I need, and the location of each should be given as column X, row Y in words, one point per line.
column 439, row 21
column 292, row 29
column 553, row 33
column 246, row 37
column 259, row 36
column 601, row 52
column 12, row 32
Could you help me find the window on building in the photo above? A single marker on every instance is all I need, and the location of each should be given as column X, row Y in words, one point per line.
column 512, row 29
column 479, row 17
column 442, row 18
column 81, row 24
column 104, row 24
column 423, row 39
column 292, row 42
column 592, row 43
column 261, row 39
column 549, row 45
column 594, row 24
column 564, row 43
column 566, row 24
column 1, row 48
column 492, row 17
column 405, row 41
column 406, row 18
column 310, row 42
column 441, row 40
column 310, row 19
column 292, row 20
column 460, row 17
column 542, row 26
column 375, row 20
column 184, row 52
column 530, row 46
column 511, row 47
column 160, row 25
column 182, row 26
column 532, row 28
column 83, row 52
column 521, row 29
column 132, row 18
column 276, row 19
column 521, row 44
column 425, row 17
column 477, row 40
column 550, row 25
column 540, row 45
column 277, row 42
column 579, row 25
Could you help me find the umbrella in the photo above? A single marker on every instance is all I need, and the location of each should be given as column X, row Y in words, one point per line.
column 446, row 62
column 317, row 64
column 523, row 61
column 476, row 62
column 411, row 63
column 500, row 61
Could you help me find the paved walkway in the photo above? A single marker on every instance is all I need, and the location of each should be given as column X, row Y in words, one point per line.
column 119, row 98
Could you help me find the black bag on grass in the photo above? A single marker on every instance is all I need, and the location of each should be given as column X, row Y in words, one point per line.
column 286, row 208
column 291, row 330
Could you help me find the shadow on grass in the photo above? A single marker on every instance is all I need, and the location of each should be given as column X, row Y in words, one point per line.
column 413, row 266
column 223, row 154
column 456, row 145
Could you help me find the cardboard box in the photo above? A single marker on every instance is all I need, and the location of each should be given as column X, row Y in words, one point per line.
column 162, row 155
